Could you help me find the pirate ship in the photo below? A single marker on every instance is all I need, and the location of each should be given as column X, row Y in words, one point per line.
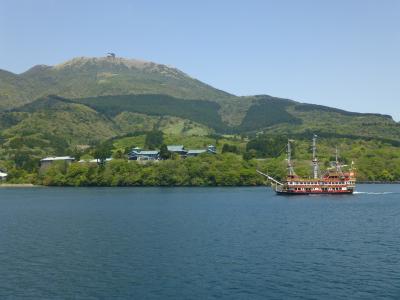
column 332, row 181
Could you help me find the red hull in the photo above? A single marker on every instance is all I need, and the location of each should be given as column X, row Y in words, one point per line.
column 348, row 192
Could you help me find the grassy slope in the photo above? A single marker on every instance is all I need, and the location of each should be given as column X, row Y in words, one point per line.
column 133, row 122
column 54, row 125
column 327, row 121
column 200, row 111
column 90, row 77
column 14, row 90
column 118, row 115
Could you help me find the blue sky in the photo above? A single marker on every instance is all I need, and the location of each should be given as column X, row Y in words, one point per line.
column 344, row 54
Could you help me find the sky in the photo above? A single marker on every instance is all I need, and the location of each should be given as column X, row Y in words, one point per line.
column 342, row 53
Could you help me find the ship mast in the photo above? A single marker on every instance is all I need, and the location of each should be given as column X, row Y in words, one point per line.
column 337, row 163
column 289, row 159
column 314, row 157
column 337, row 160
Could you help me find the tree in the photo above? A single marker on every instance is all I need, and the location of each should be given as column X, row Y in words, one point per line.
column 249, row 154
column 25, row 160
column 119, row 154
column 229, row 148
column 269, row 146
column 154, row 139
column 128, row 149
column 102, row 152
column 164, row 153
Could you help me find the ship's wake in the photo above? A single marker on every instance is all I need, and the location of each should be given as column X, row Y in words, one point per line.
column 374, row 193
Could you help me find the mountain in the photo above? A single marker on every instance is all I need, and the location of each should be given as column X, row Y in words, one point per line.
column 92, row 99
column 90, row 77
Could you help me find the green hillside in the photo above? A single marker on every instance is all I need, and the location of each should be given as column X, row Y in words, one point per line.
column 111, row 85
column 201, row 111
column 87, row 102
column 91, row 77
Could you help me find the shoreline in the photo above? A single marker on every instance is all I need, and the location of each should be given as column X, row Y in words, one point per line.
column 22, row 185
column 30, row 185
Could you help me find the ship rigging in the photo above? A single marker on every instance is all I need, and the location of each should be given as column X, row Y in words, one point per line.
column 332, row 181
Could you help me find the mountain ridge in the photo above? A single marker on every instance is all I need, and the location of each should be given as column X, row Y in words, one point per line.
column 100, row 80
column 101, row 76
column 118, row 84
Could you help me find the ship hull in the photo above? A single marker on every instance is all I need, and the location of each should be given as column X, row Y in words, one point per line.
column 294, row 193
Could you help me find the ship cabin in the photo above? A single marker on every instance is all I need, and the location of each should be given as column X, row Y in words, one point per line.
column 334, row 184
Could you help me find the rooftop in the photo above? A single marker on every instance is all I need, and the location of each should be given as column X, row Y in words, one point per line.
column 175, row 148
column 93, row 160
column 196, row 151
column 147, row 152
column 53, row 158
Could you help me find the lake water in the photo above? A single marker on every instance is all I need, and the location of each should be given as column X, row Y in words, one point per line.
column 198, row 243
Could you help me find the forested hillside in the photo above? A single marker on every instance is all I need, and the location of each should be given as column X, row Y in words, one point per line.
column 86, row 102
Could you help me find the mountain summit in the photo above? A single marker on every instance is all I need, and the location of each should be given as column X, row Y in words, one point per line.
column 101, row 76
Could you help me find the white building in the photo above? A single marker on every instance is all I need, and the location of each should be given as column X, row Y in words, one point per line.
column 95, row 160
column 3, row 176
column 47, row 161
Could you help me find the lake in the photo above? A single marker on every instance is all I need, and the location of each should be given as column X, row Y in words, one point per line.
column 198, row 243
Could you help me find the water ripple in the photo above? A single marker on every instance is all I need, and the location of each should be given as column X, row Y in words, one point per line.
column 239, row 243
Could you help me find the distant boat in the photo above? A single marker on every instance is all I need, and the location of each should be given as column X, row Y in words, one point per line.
column 332, row 181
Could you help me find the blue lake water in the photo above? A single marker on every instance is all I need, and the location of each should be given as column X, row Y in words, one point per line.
column 198, row 243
